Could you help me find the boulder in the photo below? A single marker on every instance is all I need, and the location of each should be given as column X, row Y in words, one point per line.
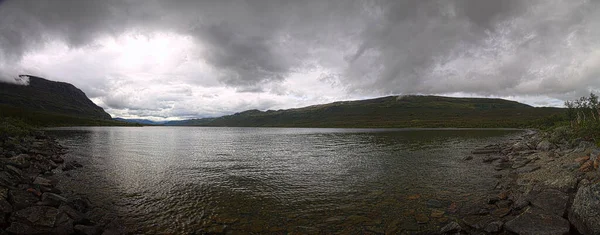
column 537, row 221
column 585, row 210
column 551, row 201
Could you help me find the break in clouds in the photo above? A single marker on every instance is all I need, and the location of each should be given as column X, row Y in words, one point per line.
column 187, row 58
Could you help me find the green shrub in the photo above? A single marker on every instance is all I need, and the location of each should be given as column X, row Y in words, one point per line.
column 10, row 127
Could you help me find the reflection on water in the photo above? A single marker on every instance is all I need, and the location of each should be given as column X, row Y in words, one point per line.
column 277, row 180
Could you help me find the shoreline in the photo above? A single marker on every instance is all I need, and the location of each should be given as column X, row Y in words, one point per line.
column 30, row 201
column 543, row 187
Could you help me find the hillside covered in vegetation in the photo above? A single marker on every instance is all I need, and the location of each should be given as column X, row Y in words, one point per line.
column 48, row 103
column 395, row 111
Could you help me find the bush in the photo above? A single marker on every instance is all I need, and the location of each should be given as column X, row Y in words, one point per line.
column 10, row 127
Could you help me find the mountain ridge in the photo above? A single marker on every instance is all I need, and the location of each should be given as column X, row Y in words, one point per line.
column 390, row 111
column 50, row 96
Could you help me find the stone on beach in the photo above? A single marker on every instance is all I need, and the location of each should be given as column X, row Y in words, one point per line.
column 585, row 210
column 537, row 221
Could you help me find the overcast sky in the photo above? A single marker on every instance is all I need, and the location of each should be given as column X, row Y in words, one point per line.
column 190, row 58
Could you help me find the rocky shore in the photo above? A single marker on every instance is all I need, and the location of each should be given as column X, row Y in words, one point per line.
column 547, row 184
column 29, row 201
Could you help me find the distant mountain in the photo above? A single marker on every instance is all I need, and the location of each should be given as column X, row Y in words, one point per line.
column 391, row 111
column 50, row 103
column 49, row 96
column 139, row 121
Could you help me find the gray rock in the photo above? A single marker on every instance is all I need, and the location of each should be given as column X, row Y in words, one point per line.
column 7, row 179
column 551, row 201
column 3, row 193
column 545, row 145
column 478, row 222
column 527, row 169
column 23, row 228
column 571, row 166
column 450, row 228
column 14, row 170
column 467, row 158
column 38, row 216
column 43, row 182
column 520, row 146
column 434, row 203
column 583, row 145
column 5, row 207
column 88, row 230
column 585, row 210
column 57, row 159
column 63, row 225
column 537, row 222
column 75, row 215
column 520, row 162
column 566, row 183
column 51, row 199
column 494, row 227
column 21, row 199
column 21, row 161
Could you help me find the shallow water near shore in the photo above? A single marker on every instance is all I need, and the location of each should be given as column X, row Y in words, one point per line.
column 278, row 180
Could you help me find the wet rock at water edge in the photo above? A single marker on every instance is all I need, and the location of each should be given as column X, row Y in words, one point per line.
column 537, row 221
column 38, row 216
column 71, row 165
column 51, row 199
column 585, row 210
column 76, row 216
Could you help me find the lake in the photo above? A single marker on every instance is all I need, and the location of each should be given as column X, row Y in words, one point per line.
column 278, row 180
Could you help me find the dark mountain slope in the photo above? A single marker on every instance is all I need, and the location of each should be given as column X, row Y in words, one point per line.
column 392, row 111
column 46, row 96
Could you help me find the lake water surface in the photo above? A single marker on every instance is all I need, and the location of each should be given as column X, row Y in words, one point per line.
column 278, row 180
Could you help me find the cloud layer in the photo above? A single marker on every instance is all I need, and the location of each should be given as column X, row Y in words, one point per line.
column 187, row 58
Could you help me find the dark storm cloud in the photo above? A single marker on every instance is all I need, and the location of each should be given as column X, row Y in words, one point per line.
column 368, row 47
